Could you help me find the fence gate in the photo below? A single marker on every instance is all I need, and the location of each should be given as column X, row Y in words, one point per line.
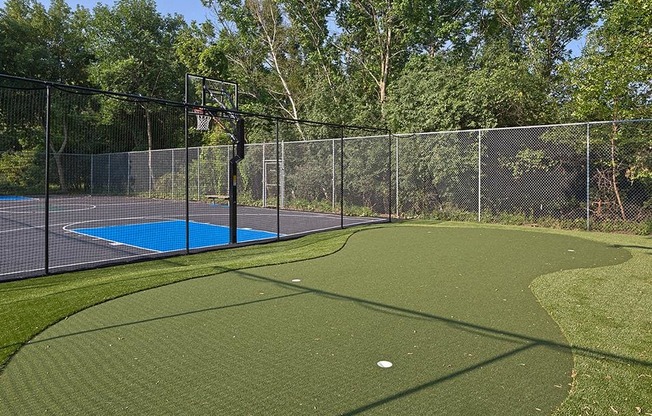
column 273, row 180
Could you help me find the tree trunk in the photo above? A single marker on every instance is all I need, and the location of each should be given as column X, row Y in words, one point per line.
column 614, row 170
column 270, row 30
column 57, row 158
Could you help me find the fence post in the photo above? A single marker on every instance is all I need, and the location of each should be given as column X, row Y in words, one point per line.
column 108, row 176
column 198, row 172
column 48, row 107
column 389, row 174
column 333, row 176
column 149, row 173
column 397, row 177
column 128, row 172
column 479, row 175
column 264, row 166
column 187, row 170
column 282, row 176
column 92, row 159
column 278, row 186
column 342, row 178
column 588, row 177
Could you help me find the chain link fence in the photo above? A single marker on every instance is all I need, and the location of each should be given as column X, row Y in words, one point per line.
column 75, row 160
column 90, row 177
column 594, row 176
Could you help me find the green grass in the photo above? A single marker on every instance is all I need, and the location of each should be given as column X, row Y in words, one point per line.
column 27, row 307
column 608, row 309
column 456, row 307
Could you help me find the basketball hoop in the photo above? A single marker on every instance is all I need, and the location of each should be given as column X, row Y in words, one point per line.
column 203, row 122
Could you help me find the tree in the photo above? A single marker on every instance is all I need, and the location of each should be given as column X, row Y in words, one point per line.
column 134, row 47
column 430, row 95
column 611, row 81
column 496, row 90
column 503, row 92
column 540, row 30
column 46, row 44
column 198, row 51
column 374, row 41
column 21, row 50
column 40, row 43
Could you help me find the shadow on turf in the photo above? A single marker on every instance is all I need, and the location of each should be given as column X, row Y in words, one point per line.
column 633, row 246
column 526, row 342
column 175, row 315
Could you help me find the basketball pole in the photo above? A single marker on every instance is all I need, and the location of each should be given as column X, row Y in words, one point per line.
column 238, row 155
column 230, row 110
column 233, row 200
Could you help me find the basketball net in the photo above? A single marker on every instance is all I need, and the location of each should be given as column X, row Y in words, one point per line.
column 203, row 122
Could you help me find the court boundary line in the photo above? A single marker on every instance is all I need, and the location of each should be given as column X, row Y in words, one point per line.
column 163, row 220
column 8, row 210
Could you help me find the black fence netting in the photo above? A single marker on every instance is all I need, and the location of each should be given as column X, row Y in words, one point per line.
column 90, row 178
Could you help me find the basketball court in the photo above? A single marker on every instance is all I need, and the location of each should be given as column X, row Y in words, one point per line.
column 200, row 174
column 96, row 230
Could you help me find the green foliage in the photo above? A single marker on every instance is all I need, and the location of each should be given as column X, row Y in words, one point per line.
column 611, row 80
column 133, row 48
column 430, row 95
column 197, row 50
column 497, row 90
column 527, row 160
column 420, row 65
column 22, row 172
column 433, row 168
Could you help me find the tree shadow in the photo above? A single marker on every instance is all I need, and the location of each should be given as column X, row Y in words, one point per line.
column 632, row 246
column 525, row 342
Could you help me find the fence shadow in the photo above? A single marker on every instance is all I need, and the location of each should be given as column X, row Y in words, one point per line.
column 524, row 342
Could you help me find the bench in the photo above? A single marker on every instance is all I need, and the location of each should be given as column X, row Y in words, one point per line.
column 214, row 198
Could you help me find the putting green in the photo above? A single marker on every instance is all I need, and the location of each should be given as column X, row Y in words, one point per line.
column 451, row 308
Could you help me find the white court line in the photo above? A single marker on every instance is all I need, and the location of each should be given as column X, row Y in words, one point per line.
column 12, row 210
column 133, row 256
column 114, row 243
column 63, row 224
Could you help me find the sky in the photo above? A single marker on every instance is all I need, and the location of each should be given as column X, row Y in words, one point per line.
column 193, row 10
column 189, row 9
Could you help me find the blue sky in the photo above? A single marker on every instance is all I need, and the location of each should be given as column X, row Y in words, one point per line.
column 193, row 10
column 189, row 9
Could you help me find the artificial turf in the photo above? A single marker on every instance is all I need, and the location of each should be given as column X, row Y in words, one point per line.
column 450, row 307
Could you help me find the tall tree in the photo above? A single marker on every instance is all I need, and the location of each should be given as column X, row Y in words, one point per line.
column 374, row 41
column 441, row 93
column 46, row 44
column 540, row 30
column 611, row 81
column 134, row 49
column 134, row 46
column 378, row 37
column 21, row 50
column 198, row 51
column 276, row 49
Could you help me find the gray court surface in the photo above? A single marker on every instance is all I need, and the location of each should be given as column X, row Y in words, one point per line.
column 23, row 237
